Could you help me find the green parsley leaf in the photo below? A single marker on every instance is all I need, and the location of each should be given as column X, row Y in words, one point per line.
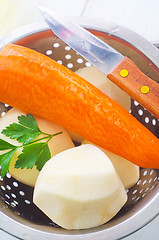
column 5, row 145
column 5, row 161
column 20, row 133
column 29, row 121
column 43, row 157
column 30, row 155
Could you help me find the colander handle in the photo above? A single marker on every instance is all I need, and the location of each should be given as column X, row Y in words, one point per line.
column 139, row 86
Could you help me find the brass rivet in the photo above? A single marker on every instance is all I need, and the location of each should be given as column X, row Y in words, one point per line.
column 145, row 89
column 124, row 73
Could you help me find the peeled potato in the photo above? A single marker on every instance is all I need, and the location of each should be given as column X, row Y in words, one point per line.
column 79, row 188
column 56, row 144
column 99, row 80
column 127, row 171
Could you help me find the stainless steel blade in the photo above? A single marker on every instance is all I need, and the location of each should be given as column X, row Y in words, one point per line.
column 98, row 53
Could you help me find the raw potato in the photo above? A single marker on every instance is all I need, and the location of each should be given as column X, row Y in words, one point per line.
column 128, row 172
column 99, row 80
column 79, row 188
column 56, row 144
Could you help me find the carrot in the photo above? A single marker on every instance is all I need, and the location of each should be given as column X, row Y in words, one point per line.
column 38, row 85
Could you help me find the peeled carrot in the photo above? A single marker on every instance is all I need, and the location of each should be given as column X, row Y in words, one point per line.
column 38, row 85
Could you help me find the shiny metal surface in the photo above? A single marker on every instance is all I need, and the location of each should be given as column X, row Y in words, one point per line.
column 98, row 53
column 18, row 215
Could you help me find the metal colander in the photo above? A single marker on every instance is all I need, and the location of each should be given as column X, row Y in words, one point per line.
column 19, row 216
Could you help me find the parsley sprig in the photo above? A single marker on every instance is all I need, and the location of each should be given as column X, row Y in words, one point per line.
column 35, row 151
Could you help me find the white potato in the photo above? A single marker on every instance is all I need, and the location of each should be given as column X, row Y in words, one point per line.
column 56, row 144
column 99, row 80
column 79, row 188
column 127, row 171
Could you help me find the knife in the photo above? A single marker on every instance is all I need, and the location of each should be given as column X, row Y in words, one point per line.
column 118, row 68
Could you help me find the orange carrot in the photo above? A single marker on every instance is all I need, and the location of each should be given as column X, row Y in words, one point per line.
column 38, row 85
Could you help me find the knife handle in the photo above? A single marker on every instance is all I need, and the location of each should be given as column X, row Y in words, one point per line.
column 139, row 86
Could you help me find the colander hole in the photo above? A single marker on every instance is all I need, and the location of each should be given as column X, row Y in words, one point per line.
column 87, row 64
column 139, row 182
column 151, row 172
column 141, row 190
column 3, row 188
column 13, row 204
column 133, row 198
column 80, row 60
column 7, row 196
column 7, row 202
column 67, row 48
column 21, row 193
column 150, row 180
column 152, row 187
column 1, row 179
column 59, row 61
column 8, row 187
column 145, row 173
column 27, row 201
column 18, row 213
column 70, row 65
column 68, row 56
column 146, row 189
column 6, row 105
column 140, row 112
column 8, row 175
column 154, row 122
column 48, row 52
column 155, row 179
column 56, row 45
column 147, row 119
column 127, row 190
column 135, row 191
column 3, row 113
column 15, row 184
column 137, row 199
column 136, row 103
column 13, row 195
column 143, row 195
column 144, row 182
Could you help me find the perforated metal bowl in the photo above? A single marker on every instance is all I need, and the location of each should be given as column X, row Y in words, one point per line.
column 18, row 215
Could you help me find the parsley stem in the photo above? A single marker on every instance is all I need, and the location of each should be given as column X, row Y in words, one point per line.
column 55, row 134
column 49, row 138
column 52, row 135
column 45, row 133
column 37, row 140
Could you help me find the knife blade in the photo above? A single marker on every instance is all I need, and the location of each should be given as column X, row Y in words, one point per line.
column 118, row 68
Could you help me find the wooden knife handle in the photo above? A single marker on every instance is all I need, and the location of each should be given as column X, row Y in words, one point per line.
column 140, row 87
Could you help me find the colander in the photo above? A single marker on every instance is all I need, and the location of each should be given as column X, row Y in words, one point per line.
column 18, row 215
